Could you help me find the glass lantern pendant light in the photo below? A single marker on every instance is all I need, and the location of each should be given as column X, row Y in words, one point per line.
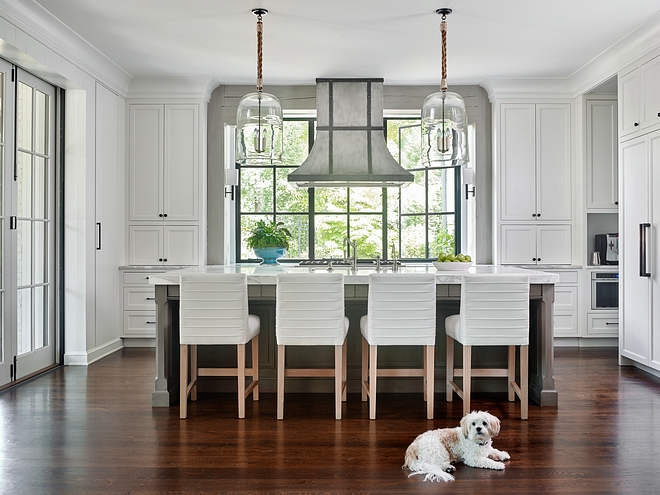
column 444, row 119
column 259, row 117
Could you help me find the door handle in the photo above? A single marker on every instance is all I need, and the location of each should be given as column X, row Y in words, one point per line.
column 642, row 249
column 98, row 236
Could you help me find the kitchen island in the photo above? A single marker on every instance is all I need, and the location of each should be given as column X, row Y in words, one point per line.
column 261, row 290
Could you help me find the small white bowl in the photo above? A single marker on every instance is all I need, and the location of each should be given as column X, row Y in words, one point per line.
column 452, row 266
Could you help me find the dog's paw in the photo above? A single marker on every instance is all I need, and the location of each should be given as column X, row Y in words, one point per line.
column 450, row 468
column 504, row 456
column 498, row 465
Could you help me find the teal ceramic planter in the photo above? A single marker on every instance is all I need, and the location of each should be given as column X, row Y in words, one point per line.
column 270, row 255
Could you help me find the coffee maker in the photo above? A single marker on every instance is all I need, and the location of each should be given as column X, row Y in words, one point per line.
column 608, row 247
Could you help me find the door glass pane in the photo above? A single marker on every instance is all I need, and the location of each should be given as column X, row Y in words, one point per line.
column 329, row 232
column 40, row 320
column 40, row 187
column 24, row 253
column 24, row 184
column 24, row 117
column 24, row 324
column 41, row 122
column 40, row 253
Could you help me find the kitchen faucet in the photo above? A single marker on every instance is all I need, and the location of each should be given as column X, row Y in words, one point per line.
column 350, row 249
column 395, row 262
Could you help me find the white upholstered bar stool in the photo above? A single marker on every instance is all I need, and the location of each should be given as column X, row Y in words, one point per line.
column 400, row 311
column 214, row 311
column 309, row 311
column 494, row 311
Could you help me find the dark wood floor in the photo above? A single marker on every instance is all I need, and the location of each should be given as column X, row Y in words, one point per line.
column 92, row 430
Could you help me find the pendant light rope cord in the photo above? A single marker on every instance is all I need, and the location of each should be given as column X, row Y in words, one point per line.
column 260, row 54
column 443, row 31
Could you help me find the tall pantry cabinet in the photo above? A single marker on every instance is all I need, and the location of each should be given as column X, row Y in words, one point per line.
column 534, row 183
column 166, row 203
column 639, row 158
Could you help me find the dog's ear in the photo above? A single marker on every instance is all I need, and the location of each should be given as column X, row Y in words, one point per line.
column 494, row 424
column 465, row 425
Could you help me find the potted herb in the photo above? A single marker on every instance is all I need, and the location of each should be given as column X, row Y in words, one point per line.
column 269, row 240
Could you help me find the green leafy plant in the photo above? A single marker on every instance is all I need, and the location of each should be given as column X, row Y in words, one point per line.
column 269, row 234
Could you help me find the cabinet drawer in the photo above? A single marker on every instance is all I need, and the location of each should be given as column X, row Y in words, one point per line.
column 566, row 298
column 141, row 278
column 599, row 325
column 139, row 298
column 569, row 277
column 139, row 324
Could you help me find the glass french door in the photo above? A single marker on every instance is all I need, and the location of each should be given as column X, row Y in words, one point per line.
column 27, row 227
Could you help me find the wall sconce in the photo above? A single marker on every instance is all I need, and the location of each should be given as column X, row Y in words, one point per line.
column 231, row 181
column 468, row 180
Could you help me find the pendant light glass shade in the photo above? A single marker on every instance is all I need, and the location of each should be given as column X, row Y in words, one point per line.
column 259, row 137
column 444, row 119
column 259, row 130
column 444, row 130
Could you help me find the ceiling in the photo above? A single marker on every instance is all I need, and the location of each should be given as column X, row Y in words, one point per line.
column 393, row 39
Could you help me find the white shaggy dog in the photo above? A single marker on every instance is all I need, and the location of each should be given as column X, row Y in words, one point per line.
column 433, row 452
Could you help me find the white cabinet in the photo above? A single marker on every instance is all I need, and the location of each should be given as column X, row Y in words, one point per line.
column 110, row 118
column 535, row 173
column 603, row 325
column 139, row 305
column 536, row 244
column 152, row 245
column 602, row 155
column 639, row 305
column 566, row 303
column 164, row 162
column 639, row 97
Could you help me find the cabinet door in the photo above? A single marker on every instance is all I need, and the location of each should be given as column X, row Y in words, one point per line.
column 181, row 163
column 146, row 162
column 634, row 290
column 110, row 129
column 517, row 162
column 181, row 245
column 629, row 102
column 554, row 244
column 649, row 74
column 518, row 244
column 553, row 162
column 654, row 245
column 602, row 155
column 145, row 245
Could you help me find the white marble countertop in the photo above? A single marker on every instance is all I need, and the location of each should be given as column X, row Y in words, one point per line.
column 266, row 275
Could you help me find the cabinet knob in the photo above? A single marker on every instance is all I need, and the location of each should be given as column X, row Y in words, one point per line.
column 636, row 124
column 160, row 259
column 534, row 214
column 164, row 214
column 165, row 260
column 538, row 214
column 160, row 215
column 658, row 114
column 533, row 259
column 538, row 259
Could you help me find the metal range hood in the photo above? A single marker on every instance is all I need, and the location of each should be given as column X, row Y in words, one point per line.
column 349, row 149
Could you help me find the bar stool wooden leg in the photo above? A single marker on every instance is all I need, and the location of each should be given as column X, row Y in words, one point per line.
column 429, row 377
column 524, row 381
column 467, row 378
column 241, row 379
column 512, row 373
column 450, row 368
column 373, row 373
column 280, row 382
column 183, row 381
column 339, row 367
column 255, row 366
column 344, row 366
column 365, row 369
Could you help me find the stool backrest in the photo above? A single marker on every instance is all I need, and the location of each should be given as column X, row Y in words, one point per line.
column 401, row 309
column 309, row 309
column 213, row 309
column 494, row 309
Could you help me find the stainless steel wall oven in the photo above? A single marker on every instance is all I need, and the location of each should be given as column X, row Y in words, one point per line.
column 604, row 290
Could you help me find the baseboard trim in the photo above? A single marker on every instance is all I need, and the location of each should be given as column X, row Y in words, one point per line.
column 93, row 355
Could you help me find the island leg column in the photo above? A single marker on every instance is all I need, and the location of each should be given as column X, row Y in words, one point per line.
column 165, row 373
column 546, row 362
